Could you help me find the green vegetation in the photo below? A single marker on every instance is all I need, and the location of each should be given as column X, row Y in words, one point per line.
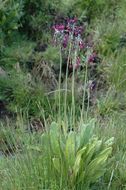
column 62, row 95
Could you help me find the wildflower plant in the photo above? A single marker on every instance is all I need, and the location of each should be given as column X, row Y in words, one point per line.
column 68, row 36
column 80, row 56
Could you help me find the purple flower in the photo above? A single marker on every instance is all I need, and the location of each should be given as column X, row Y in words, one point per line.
column 81, row 44
column 72, row 21
column 65, row 40
column 68, row 29
column 80, row 29
column 92, row 58
column 59, row 27
column 77, row 31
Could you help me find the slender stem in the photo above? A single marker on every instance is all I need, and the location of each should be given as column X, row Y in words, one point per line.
column 73, row 90
column 59, row 86
column 88, row 104
column 66, row 83
column 84, row 94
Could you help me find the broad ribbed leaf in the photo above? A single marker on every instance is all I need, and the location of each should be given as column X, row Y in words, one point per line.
column 86, row 133
column 70, row 149
column 92, row 148
column 96, row 168
column 56, row 163
column 78, row 161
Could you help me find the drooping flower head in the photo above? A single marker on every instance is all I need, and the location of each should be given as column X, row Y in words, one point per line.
column 65, row 40
column 68, row 31
column 59, row 27
column 72, row 21
column 92, row 58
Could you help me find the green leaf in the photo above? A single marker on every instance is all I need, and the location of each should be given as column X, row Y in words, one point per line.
column 86, row 133
column 54, row 128
column 109, row 142
column 70, row 149
column 96, row 168
column 56, row 163
column 92, row 148
column 54, row 138
column 77, row 164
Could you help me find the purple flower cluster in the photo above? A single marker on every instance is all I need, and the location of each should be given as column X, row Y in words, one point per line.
column 71, row 33
column 64, row 33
